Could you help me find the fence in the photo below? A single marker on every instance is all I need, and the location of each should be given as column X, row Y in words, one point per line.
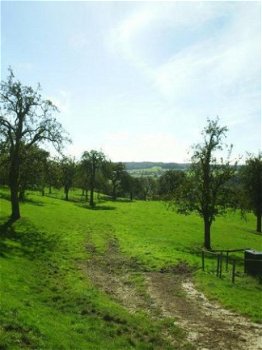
column 221, row 258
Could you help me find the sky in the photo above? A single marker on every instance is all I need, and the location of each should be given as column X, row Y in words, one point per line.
column 138, row 80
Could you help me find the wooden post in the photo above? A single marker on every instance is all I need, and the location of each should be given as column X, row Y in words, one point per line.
column 218, row 265
column 227, row 261
column 203, row 260
column 220, row 268
column 233, row 270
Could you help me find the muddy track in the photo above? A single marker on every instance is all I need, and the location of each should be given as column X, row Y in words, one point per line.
column 171, row 295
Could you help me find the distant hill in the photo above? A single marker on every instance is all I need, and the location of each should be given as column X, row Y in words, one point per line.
column 161, row 165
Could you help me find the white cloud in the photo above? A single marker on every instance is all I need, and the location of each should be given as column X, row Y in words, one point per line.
column 216, row 74
column 215, row 65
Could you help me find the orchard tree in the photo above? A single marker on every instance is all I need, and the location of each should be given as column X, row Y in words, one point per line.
column 83, row 177
column 94, row 161
column 68, row 171
column 117, row 171
column 52, row 174
column 251, row 177
column 206, row 188
column 26, row 119
column 32, row 169
column 147, row 187
column 169, row 182
column 128, row 184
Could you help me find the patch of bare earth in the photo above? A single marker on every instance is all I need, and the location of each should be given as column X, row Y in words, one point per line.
column 207, row 324
column 171, row 294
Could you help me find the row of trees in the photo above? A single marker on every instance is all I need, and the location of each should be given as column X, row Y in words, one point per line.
column 94, row 172
column 209, row 187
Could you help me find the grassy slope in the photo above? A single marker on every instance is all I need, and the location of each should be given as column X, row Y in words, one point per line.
column 47, row 303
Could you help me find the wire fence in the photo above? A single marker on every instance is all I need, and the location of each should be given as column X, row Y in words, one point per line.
column 228, row 263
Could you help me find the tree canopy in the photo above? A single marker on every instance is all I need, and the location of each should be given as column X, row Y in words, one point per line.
column 251, row 177
column 204, row 189
column 26, row 119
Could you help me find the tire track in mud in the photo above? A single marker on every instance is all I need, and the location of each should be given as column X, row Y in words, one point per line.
column 171, row 295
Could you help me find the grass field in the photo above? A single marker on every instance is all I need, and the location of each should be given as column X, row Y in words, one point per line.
column 47, row 300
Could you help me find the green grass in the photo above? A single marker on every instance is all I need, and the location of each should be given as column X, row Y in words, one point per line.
column 46, row 300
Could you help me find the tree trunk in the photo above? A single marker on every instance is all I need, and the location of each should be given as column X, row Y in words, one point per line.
column 43, row 191
column 50, row 189
column 92, row 187
column 91, row 202
column 15, row 215
column 66, row 194
column 86, row 195
column 259, row 216
column 114, row 193
column 207, row 241
column 131, row 196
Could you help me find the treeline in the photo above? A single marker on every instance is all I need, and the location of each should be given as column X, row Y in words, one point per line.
column 149, row 165
column 93, row 173
column 209, row 186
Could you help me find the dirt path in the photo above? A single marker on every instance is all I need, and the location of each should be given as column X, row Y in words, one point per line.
column 172, row 295
column 207, row 324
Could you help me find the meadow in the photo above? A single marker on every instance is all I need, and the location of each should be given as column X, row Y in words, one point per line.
column 49, row 299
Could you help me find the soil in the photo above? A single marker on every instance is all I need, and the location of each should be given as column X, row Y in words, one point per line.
column 170, row 293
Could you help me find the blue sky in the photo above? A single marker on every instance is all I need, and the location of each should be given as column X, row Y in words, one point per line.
column 138, row 80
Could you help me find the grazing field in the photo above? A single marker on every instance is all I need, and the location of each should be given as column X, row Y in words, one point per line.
column 76, row 278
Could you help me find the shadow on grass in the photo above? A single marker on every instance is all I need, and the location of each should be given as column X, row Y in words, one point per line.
column 26, row 200
column 5, row 196
column 27, row 241
column 96, row 207
column 118, row 200
column 254, row 232
column 33, row 202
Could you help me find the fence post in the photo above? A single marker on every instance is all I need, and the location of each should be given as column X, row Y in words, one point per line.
column 218, row 264
column 227, row 262
column 203, row 260
column 233, row 270
column 221, row 261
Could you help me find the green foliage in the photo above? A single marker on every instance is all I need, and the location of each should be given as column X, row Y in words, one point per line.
column 170, row 182
column 68, row 170
column 204, row 189
column 26, row 120
column 93, row 163
column 251, row 176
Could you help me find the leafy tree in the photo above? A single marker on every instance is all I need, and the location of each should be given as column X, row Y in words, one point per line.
column 68, row 170
column 169, row 182
column 147, row 186
column 4, row 164
column 205, row 189
column 32, row 169
column 94, row 162
column 52, row 174
column 128, row 184
column 83, row 172
column 25, row 120
column 251, row 177
column 117, row 171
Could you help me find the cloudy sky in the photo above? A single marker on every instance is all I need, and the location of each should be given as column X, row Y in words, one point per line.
column 138, row 80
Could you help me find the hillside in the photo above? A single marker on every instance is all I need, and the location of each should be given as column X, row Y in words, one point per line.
column 119, row 277
column 161, row 165
column 155, row 169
